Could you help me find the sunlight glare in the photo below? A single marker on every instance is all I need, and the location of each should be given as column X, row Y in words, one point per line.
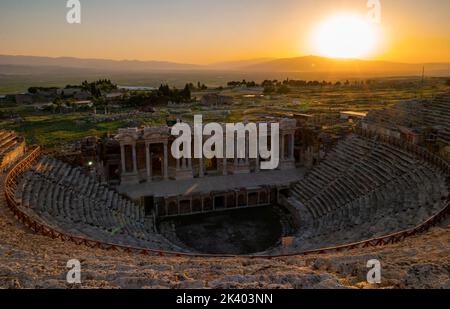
column 345, row 36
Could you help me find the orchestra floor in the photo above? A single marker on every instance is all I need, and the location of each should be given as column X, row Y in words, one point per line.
column 212, row 183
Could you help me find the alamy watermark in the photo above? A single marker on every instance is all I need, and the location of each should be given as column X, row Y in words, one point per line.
column 374, row 14
column 232, row 141
column 74, row 274
column 73, row 16
column 374, row 274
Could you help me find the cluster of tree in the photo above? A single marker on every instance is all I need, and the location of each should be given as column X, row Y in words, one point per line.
column 72, row 86
column 316, row 83
column 59, row 103
column 34, row 90
column 304, row 83
column 161, row 96
column 283, row 87
column 199, row 87
column 98, row 88
column 175, row 95
column 275, row 86
column 243, row 83
column 140, row 98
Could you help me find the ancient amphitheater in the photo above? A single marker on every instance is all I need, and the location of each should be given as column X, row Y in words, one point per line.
column 381, row 192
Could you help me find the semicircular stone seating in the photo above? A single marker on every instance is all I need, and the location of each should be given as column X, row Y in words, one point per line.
column 364, row 189
column 11, row 147
column 437, row 115
column 65, row 198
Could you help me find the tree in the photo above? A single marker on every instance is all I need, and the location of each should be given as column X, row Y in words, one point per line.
column 100, row 102
column 58, row 103
column 267, row 83
column 283, row 89
column 186, row 93
column 191, row 87
column 32, row 90
column 71, row 103
column 164, row 90
column 268, row 89
column 96, row 90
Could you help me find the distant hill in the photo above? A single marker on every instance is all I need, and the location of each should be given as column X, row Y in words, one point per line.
column 17, row 73
column 237, row 65
column 321, row 64
column 95, row 64
column 308, row 64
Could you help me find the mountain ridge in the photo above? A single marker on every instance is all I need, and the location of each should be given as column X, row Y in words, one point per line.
column 294, row 64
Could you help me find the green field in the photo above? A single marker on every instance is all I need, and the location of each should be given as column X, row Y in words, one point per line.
column 59, row 129
column 54, row 129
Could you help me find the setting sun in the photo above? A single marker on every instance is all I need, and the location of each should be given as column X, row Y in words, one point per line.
column 345, row 36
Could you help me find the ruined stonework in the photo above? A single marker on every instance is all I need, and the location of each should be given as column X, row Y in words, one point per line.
column 145, row 156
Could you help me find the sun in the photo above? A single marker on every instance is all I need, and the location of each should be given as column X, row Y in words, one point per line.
column 345, row 36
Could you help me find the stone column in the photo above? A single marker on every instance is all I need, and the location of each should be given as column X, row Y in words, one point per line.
column 236, row 160
column 147, row 158
column 122, row 155
column 292, row 156
column 134, row 159
column 201, row 171
column 257, row 167
column 225, row 167
column 247, row 150
column 166, row 162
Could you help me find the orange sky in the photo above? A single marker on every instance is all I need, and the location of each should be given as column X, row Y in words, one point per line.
column 207, row 31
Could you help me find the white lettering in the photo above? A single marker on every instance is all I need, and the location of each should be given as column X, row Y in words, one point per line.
column 251, row 143
column 374, row 275
column 74, row 14
column 74, row 274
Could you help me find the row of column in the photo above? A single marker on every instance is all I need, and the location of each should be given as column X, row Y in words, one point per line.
column 186, row 164
column 148, row 157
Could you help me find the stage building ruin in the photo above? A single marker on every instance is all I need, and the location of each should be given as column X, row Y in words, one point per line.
column 145, row 157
